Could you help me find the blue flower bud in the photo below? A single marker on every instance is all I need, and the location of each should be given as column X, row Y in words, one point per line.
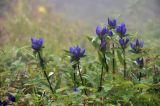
column 123, row 42
column 76, row 53
column 37, row 43
column 137, row 45
column 4, row 103
column 101, row 31
column 112, row 23
column 140, row 62
column 76, row 89
column 110, row 33
column 11, row 98
column 121, row 29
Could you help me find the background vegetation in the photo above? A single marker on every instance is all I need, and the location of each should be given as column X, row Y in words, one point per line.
column 21, row 75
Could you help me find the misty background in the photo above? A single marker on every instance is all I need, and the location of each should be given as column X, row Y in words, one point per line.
column 141, row 16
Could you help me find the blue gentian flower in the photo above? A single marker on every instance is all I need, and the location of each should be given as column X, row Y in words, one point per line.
column 11, row 98
column 140, row 62
column 76, row 53
column 76, row 89
column 103, row 45
column 37, row 43
column 112, row 23
column 137, row 45
column 121, row 29
column 110, row 33
column 123, row 42
column 4, row 103
column 101, row 31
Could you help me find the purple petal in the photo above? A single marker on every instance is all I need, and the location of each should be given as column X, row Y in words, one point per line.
column 103, row 44
column 118, row 29
column 109, row 22
column 122, row 24
column 11, row 98
column 137, row 42
column 142, row 44
column 71, row 50
column 35, row 46
column 124, row 31
column 127, row 40
column 82, row 52
column 33, row 40
column 98, row 30
column 133, row 46
column 110, row 33
column 121, row 41
column 76, row 89
column 40, row 41
column 104, row 31
column 114, row 22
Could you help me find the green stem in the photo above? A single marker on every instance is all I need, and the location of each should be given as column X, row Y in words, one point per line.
column 106, row 67
column 141, row 67
column 81, row 78
column 124, row 62
column 140, row 74
column 74, row 76
column 101, row 78
column 113, row 64
column 43, row 68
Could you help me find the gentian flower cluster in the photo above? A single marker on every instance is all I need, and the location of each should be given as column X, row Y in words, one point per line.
column 76, row 53
column 121, row 29
column 137, row 45
column 37, row 44
column 4, row 103
column 101, row 32
column 123, row 42
column 112, row 23
column 10, row 98
column 140, row 62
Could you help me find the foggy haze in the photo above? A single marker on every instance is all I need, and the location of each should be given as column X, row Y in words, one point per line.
column 91, row 10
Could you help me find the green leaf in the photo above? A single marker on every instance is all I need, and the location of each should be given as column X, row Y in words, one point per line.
column 100, row 56
column 61, row 89
column 94, row 42
column 58, row 84
column 142, row 87
column 120, row 56
column 67, row 52
column 107, row 87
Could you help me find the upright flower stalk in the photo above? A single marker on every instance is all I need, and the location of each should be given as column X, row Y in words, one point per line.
column 140, row 63
column 76, row 53
column 136, row 47
column 112, row 25
column 37, row 45
column 123, row 42
column 101, row 33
